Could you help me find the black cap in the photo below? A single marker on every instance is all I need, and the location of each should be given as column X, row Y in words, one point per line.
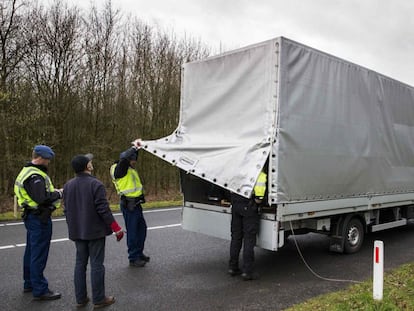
column 129, row 155
column 80, row 161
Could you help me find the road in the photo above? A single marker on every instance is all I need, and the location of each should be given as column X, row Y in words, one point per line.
column 188, row 270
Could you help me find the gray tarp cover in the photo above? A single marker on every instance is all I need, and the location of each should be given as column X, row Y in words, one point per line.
column 333, row 129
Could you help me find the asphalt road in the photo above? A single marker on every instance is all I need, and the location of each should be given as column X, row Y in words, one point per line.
column 188, row 270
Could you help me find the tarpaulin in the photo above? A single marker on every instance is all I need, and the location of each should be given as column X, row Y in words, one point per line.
column 331, row 129
column 226, row 118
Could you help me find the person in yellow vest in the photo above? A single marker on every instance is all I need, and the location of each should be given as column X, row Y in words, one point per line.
column 244, row 228
column 129, row 187
column 38, row 198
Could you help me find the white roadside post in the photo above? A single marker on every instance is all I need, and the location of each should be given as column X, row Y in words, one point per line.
column 378, row 283
column 15, row 207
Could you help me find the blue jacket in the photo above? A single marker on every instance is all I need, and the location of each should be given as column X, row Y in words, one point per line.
column 86, row 208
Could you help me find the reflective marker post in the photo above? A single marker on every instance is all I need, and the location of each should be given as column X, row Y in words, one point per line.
column 378, row 283
column 15, row 207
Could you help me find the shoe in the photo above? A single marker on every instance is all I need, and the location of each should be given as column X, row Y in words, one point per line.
column 137, row 263
column 249, row 276
column 48, row 296
column 234, row 272
column 145, row 258
column 83, row 304
column 27, row 290
column 106, row 302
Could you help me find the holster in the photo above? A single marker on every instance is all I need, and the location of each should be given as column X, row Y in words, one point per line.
column 141, row 199
column 43, row 213
column 24, row 214
column 254, row 206
column 131, row 203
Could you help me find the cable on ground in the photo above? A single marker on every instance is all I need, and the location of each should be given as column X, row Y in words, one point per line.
column 309, row 268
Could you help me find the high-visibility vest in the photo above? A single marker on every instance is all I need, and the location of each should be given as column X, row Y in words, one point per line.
column 130, row 185
column 260, row 186
column 23, row 198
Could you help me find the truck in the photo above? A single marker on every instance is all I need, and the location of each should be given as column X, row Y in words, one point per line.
column 336, row 140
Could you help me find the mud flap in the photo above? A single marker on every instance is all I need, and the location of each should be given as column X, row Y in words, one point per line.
column 337, row 241
column 336, row 244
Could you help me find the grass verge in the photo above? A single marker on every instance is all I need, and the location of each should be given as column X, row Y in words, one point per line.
column 398, row 295
column 114, row 207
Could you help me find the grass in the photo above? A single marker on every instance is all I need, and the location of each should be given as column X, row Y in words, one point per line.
column 7, row 216
column 398, row 295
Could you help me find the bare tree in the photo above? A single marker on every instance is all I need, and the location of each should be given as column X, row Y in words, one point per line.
column 53, row 67
column 13, row 47
column 87, row 82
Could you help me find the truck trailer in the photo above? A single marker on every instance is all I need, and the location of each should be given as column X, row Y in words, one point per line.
column 336, row 140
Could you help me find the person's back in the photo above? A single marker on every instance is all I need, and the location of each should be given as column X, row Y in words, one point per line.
column 86, row 208
column 89, row 220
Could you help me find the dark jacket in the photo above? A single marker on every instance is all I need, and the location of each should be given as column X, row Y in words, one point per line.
column 86, row 208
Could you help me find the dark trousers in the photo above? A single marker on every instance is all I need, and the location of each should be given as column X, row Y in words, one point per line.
column 136, row 228
column 244, row 228
column 95, row 250
column 36, row 253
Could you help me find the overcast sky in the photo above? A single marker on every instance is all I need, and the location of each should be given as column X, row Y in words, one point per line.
column 378, row 34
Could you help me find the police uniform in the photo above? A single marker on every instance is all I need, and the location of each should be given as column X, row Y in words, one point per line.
column 244, row 228
column 129, row 187
column 37, row 197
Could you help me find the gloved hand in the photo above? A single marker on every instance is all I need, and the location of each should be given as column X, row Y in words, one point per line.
column 137, row 143
column 119, row 233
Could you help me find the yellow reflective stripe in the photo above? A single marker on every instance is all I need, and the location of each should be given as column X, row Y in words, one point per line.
column 112, row 172
column 131, row 190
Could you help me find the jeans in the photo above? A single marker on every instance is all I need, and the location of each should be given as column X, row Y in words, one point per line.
column 36, row 253
column 244, row 228
column 136, row 228
column 95, row 250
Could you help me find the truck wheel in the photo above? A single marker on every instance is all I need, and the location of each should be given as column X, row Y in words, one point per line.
column 354, row 236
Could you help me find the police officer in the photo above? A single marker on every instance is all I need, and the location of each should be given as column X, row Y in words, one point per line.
column 244, row 227
column 129, row 187
column 37, row 197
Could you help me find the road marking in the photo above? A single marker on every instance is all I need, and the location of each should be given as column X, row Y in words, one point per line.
column 163, row 227
column 11, row 224
column 162, row 210
column 67, row 239
column 115, row 214
column 7, row 246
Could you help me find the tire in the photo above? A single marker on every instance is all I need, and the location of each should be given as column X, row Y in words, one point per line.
column 354, row 236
